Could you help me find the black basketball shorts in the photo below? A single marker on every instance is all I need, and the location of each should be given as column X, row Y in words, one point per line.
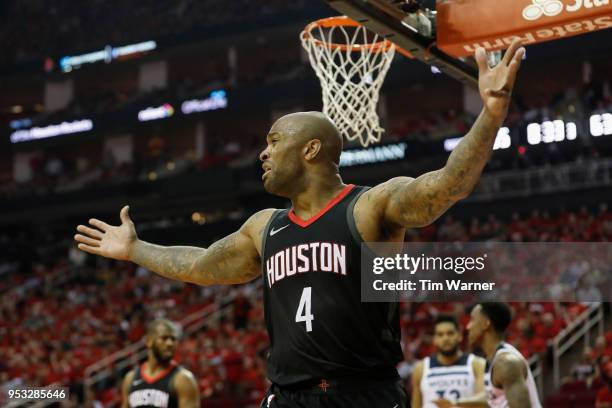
column 388, row 394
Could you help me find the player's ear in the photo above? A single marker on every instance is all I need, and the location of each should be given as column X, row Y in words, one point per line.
column 487, row 324
column 312, row 149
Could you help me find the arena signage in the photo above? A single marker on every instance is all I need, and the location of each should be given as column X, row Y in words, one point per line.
column 68, row 63
column 533, row 21
column 216, row 100
column 153, row 113
column 371, row 155
column 502, row 140
column 64, row 128
column 601, row 125
column 20, row 123
column 550, row 131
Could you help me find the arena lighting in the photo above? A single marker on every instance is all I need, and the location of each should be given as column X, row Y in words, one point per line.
column 376, row 154
column 450, row 144
column 601, row 125
column 550, row 132
column 153, row 113
column 502, row 140
column 20, row 123
column 109, row 53
column 216, row 100
column 64, row 128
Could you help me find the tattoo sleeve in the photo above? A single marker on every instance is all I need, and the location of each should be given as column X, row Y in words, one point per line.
column 419, row 202
column 465, row 164
column 230, row 260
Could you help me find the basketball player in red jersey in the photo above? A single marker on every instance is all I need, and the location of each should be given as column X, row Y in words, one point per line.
column 160, row 382
column 327, row 348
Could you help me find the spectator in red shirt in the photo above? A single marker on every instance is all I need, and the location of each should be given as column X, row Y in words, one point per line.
column 604, row 395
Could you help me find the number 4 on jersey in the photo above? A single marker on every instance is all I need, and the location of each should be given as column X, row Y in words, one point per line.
column 304, row 313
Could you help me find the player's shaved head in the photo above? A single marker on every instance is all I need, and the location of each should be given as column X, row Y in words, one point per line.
column 302, row 148
column 312, row 125
column 162, row 340
column 157, row 324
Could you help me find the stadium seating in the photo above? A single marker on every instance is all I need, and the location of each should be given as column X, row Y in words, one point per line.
column 86, row 310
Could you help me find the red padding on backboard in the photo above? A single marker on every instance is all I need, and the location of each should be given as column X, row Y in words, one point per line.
column 463, row 25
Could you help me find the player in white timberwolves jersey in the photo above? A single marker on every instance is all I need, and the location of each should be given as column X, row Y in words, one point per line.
column 509, row 382
column 449, row 374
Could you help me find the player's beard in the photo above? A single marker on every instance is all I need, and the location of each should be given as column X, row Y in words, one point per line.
column 451, row 352
column 161, row 359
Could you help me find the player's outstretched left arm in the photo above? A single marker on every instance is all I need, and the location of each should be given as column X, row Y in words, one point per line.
column 418, row 202
column 509, row 373
column 186, row 390
column 230, row 260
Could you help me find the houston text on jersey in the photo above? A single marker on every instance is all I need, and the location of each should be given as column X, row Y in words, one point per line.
column 311, row 257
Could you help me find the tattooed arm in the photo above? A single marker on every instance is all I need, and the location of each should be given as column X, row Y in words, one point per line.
column 233, row 259
column 418, row 202
column 407, row 202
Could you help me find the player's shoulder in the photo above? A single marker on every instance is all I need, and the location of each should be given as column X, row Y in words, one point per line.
column 184, row 373
column 418, row 368
column 508, row 358
column 128, row 378
column 258, row 221
column 130, row 374
column 183, row 378
column 263, row 215
column 508, row 367
column 377, row 198
column 384, row 189
column 478, row 363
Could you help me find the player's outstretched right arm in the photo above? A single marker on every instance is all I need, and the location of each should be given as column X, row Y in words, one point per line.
column 231, row 260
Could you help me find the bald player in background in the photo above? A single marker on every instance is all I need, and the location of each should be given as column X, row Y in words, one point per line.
column 327, row 348
column 160, row 382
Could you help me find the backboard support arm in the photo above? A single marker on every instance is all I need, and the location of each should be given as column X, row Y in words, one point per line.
column 421, row 48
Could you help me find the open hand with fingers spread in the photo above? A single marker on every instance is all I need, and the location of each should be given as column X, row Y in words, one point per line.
column 107, row 240
column 495, row 84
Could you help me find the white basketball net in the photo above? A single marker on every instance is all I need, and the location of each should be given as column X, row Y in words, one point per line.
column 351, row 73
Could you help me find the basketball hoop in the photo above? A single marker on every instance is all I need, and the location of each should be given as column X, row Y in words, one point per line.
column 351, row 63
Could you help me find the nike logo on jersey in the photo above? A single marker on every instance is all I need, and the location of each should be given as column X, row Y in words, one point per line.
column 273, row 231
column 136, row 382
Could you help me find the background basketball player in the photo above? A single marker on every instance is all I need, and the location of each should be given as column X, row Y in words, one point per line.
column 160, row 382
column 449, row 373
column 327, row 347
column 509, row 382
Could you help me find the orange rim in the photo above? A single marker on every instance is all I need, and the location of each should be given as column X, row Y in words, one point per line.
column 342, row 21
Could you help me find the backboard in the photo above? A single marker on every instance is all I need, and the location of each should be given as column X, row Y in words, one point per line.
column 443, row 32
